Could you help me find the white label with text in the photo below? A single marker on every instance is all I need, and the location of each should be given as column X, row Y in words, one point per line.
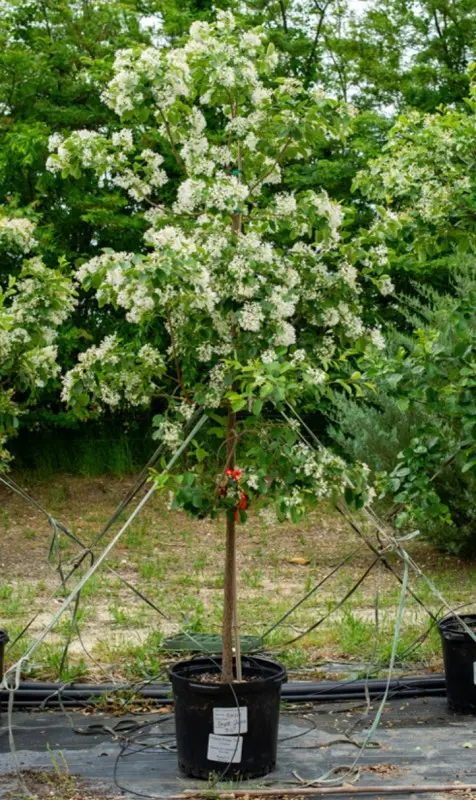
column 229, row 721
column 226, row 749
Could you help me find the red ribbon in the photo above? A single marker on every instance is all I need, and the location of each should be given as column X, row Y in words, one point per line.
column 235, row 475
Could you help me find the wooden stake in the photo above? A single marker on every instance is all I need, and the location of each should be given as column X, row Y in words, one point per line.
column 317, row 791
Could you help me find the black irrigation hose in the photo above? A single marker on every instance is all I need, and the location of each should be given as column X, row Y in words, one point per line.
column 356, row 684
column 36, row 694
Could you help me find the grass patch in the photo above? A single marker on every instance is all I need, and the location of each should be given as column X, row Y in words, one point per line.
column 178, row 564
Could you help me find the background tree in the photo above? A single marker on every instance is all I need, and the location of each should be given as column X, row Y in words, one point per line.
column 54, row 57
column 426, row 178
column 32, row 308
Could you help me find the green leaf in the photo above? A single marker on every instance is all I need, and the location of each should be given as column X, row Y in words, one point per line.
column 257, row 407
column 219, row 433
column 402, row 403
column 266, row 389
column 238, row 404
column 294, row 514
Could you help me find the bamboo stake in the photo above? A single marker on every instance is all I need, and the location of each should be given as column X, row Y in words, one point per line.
column 318, row 791
column 236, row 627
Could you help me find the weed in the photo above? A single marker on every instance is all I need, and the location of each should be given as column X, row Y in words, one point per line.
column 215, row 581
column 194, row 617
column 187, row 580
column 50, row 658
column 13, row 606
column 92, row 587
column 252, row 578
column 119, row 616
column 57, row 494
column 61, row 781
column 152, row 570
column 136, row 534
column 355, row 636
column 200, row 562
column 5, row 591
column 293, row 657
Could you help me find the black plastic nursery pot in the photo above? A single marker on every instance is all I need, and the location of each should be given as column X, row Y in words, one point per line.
column 228, row 730
column 459, row 654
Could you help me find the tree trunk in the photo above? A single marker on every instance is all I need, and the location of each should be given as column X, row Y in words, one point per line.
column 229, row 600
column 230, row 615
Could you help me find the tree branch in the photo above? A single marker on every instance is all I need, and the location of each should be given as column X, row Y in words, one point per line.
column 175, row 152
column 174, row 349
column 310, row 58
column 275, row 164
column 283, row 16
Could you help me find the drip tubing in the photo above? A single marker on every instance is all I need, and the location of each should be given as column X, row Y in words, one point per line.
column 54, row 695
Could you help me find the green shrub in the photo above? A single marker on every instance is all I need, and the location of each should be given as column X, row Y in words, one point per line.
column 419, row 428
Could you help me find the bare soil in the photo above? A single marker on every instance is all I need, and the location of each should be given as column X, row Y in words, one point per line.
column 215, row 677
column 41, row 784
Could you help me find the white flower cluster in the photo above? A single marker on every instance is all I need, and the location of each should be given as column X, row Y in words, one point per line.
column 40, row 364
column 343, row 315
column 111, row 373
column 123, row 88
column 122, row 139
column 251, row 317
column 377, row 338
column 155, row 176
column 329, row 209
column 170, row 433
column 268, row 356
column 227, row 193
column 286, row 335
column 17, row 232
column 386, row 286
column 349, row 275
column 326, row 472
column 285, row 204
column 42, row 301
column 316, row 376
column 216, row 385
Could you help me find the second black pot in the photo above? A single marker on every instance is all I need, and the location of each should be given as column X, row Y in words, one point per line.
column 227, row 730
column 459, row 653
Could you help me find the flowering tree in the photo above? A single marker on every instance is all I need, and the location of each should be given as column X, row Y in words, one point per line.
column 31, row 309
column 425, row 177
column 246, row 297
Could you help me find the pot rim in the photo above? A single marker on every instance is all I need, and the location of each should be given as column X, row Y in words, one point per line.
column 450, row 627
column 276, row 675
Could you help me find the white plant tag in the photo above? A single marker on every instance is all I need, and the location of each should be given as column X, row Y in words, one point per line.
column 229, row 721
column 226, row 749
